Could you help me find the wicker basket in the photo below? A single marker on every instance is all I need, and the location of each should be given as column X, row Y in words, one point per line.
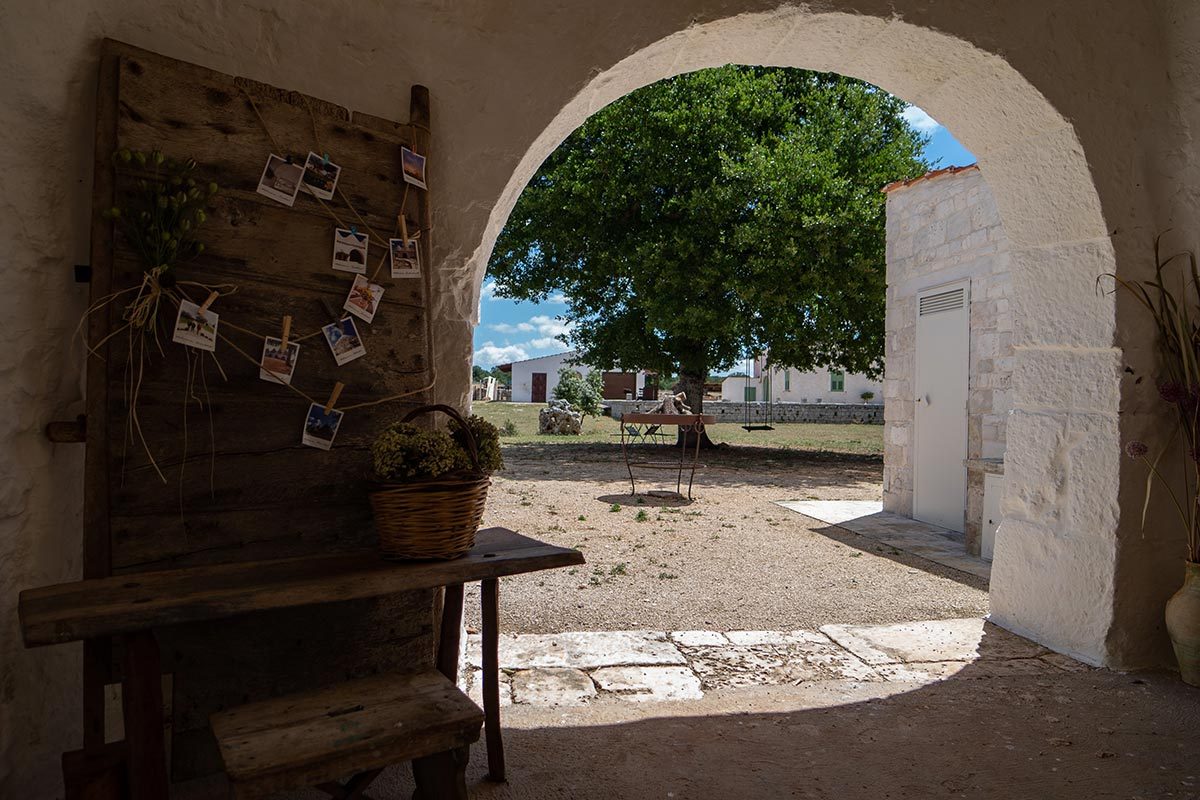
column 434, row 518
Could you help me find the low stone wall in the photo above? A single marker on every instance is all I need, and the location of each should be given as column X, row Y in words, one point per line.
column 857, row 413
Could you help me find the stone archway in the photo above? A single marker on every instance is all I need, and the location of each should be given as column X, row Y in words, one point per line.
column 1056, row 561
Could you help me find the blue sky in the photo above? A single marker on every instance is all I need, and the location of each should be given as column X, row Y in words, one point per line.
column 511, row 331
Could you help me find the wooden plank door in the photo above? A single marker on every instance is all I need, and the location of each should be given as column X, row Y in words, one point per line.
column 236, row 482
column 537, row 392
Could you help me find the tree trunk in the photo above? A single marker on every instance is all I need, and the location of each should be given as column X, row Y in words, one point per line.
column 691, row 382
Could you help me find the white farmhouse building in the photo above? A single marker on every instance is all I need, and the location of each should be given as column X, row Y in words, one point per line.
column 948, row 354
column 534, row 379
column 775, row 384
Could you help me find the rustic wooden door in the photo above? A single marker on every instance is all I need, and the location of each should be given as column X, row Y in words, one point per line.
column 537, row 390
column 236, row 482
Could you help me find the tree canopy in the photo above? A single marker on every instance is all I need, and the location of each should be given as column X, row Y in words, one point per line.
column 717, row 213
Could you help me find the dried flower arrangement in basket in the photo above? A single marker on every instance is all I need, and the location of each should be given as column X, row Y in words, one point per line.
column 431, row 485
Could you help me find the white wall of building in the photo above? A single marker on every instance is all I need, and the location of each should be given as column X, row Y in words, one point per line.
column 794, row 386
column 523, row 371
column 942, row 228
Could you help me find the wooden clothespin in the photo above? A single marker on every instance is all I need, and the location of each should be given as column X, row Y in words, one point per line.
column 287, row 331
column 333, row 396
column 403, row 228
column 211, row 297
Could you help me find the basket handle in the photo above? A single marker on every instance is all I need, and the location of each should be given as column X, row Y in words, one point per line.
column 450, row 411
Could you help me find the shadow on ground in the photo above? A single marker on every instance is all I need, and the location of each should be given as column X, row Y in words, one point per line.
column 723, row 466
column 986, row 732
column 875, row 547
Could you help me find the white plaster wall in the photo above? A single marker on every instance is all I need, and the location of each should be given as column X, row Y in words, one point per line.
column 806, row 387
column 1084, row 129
column 522, row 375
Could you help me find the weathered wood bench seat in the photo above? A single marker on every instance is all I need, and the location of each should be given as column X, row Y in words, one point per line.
column 351, row 729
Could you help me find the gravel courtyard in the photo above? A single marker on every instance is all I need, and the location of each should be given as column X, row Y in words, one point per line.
column 730, row 560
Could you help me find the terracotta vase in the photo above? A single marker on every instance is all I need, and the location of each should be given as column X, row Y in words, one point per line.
column 1183, row 624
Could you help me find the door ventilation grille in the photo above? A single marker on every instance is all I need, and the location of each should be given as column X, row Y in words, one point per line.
column 942, row 301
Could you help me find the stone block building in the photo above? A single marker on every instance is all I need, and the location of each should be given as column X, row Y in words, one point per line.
column 947, row 253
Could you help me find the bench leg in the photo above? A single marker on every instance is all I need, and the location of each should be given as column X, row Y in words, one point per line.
column 353, row 789
column 442, row 776
column 490, row 608
column 449, row 636
column 143, row 710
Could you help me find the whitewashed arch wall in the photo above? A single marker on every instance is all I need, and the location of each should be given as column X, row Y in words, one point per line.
column 509, row 81
column 1053, row 578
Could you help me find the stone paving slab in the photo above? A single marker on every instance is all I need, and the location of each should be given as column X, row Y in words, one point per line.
column 937, row 640
column 571, row 669
column 641, row 684
column 581, row 650
column 473, row 685
column 793, row 662
column 699, row 638
column 553, row 686
column 776, row 637
column 983, row 668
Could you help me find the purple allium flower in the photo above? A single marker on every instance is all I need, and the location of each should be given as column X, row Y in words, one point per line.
column 1136, row 449
column 1172, row 392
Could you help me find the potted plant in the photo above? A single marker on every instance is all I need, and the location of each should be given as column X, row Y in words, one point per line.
column 431, row 485
column 867, row 396
column 1176, row 314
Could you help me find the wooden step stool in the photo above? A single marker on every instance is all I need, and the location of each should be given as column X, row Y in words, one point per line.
column 355, row 728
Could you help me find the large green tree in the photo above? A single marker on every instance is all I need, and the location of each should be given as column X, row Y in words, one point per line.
column 720, row 212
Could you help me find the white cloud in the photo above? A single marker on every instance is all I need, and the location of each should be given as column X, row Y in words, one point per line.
column 918, row 119
column 548, row 326
column 520, row 327
column 488, row 291
column 548, row 343
column 557, row 297
column 489, row 355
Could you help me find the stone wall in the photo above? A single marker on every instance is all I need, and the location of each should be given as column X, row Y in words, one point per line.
column 836, row 413
column 945, row 227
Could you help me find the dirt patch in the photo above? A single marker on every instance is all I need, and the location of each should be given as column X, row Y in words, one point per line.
column 729, row 560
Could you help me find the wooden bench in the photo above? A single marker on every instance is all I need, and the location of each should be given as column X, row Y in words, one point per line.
column 131, row 607
column 352, row 729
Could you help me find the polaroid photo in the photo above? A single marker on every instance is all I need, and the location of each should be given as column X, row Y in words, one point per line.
column 320, row 428
column 406, row 258
column 280, row 180
column 344, row 341
column 320, row 176
column 413, row 166
column 364, row 298
column 195, row 328
column 350, row 251
column 277, row 365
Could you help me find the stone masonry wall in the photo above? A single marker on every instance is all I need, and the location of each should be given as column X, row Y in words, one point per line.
column 848, row 413
column 944, row 228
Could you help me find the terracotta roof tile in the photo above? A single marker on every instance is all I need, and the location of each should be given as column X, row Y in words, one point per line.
column 937, row 173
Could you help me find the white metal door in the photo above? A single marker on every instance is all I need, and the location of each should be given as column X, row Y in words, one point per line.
column 940, row 447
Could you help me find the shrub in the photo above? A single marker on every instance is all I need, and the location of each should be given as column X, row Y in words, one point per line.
column 584, row 394
column 404, row 451
column 509, row 428
column 487, row 438
column 867, row 396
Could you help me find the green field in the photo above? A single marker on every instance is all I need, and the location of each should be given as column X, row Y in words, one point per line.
column 867, row 439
